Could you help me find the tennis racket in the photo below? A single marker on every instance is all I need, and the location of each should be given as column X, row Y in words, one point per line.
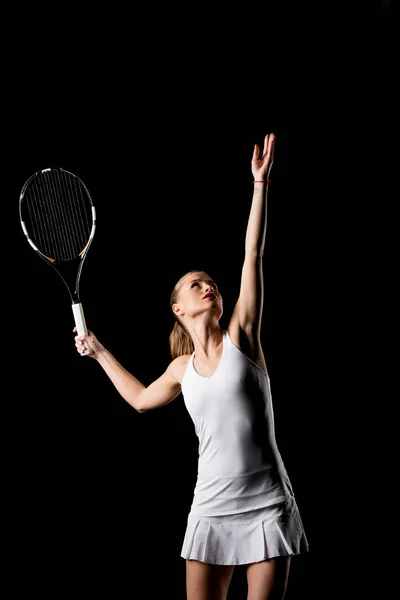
column 58, row 219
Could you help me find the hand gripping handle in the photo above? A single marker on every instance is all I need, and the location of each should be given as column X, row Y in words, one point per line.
column 80, row 323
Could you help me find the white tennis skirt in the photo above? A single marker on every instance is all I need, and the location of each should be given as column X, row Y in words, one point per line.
column 247, row 537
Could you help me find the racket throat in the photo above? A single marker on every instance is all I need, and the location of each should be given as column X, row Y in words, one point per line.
column 70, row 272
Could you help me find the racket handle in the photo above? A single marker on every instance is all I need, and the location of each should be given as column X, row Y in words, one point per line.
column 80, row 323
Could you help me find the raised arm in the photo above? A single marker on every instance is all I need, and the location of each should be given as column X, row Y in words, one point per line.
column 247, row 314
column 159, row 393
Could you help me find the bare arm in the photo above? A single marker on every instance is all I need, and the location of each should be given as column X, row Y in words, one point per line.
column 159, row 393
column 248, row 310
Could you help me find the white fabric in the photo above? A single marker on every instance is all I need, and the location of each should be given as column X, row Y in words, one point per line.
column 240, row 468
column 248, row 537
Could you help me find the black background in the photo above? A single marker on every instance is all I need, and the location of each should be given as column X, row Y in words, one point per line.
column 160, row 123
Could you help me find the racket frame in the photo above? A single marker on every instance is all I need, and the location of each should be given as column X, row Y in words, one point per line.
column 70, row 274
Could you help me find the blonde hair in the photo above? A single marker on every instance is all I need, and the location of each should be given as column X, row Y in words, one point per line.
column 180, row 341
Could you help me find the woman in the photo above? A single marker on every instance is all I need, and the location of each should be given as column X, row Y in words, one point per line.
column 243, row 510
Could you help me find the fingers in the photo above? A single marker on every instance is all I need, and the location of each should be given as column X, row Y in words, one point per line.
column 266, row 140
column 83, row 342
column 268, row 148
column 80, row 344
column 269, row 144
column 256, row 152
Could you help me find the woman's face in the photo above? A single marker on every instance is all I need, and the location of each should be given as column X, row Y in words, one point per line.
column 198, row 293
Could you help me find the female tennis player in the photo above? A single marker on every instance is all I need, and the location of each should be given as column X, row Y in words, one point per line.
column 244, row 510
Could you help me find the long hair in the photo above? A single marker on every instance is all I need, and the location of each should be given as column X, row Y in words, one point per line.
column 180, row 341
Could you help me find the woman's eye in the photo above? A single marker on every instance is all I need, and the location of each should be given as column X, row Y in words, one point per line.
column 194, row 283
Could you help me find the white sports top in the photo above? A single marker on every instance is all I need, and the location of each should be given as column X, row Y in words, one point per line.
column 239, row 465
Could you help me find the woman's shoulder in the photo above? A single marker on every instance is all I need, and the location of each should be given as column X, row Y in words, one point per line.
column 178, row 366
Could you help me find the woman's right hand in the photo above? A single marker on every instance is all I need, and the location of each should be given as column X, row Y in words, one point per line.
column 82, row 342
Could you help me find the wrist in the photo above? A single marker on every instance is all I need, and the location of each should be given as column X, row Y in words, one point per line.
column 101, row 354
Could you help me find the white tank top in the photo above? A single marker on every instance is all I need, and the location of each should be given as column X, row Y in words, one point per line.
column 239, row 465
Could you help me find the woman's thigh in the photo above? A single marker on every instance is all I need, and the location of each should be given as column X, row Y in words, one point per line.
column 267, row 580
column 207, row 582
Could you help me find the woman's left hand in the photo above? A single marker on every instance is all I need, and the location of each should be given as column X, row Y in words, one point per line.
column 261, row 165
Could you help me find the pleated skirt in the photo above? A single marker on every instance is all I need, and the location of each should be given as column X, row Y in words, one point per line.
column 247, row 537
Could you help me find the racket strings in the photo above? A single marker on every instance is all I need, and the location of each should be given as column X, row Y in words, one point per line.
column 60, row 214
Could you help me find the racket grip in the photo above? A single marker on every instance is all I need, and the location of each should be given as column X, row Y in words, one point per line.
column 80, row 323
